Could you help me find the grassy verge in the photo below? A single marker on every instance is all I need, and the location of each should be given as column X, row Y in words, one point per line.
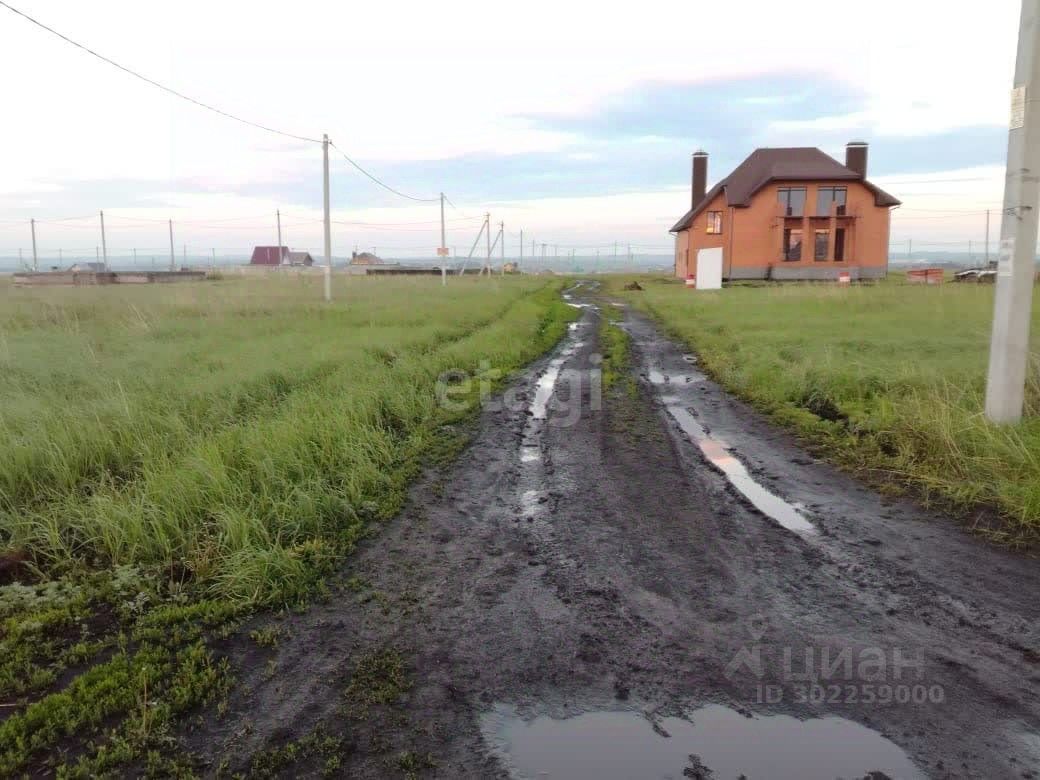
column 171, row 458
column 888, row 380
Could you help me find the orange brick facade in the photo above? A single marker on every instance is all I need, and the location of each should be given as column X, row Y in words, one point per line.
column 853, row 238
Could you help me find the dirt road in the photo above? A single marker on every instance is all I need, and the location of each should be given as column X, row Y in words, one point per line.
column 646, row 581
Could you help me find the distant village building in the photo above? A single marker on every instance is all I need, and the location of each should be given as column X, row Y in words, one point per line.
column 269, row 255
column 365, row 258
column 89, row 268
column 275, row 255
column 300, row 258
column 788, row 213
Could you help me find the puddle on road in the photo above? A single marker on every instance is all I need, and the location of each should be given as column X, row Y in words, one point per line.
column 530, row 453
column 657, row 377
column 718, row 454
column 546, row 384
column 621, row 745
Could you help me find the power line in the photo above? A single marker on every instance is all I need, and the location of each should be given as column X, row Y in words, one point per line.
column 382, row 184
column 154, row 83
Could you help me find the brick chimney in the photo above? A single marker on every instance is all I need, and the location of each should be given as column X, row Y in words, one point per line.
column 700, row 177
column 856, row 157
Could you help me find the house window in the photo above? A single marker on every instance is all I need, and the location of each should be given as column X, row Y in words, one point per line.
column 714, row 222
column 792, row 201
column 823, row 239
column 839, row 245
column 826, row 196
column 792, row 244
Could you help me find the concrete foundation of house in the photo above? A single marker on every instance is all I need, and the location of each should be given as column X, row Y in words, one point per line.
column 95, row 278
column 804, row 273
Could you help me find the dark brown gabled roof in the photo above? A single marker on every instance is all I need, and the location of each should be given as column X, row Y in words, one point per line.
column 802, row 163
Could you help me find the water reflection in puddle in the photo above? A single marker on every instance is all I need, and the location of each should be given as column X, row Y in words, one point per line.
column 718, row 454
column 530, row 454
column 660, row 378
column 546, row 384
column 624, row 745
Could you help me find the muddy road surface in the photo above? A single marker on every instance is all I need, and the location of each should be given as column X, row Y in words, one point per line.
column 645, row 580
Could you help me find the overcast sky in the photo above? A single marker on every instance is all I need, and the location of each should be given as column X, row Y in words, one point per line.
column 573, row 122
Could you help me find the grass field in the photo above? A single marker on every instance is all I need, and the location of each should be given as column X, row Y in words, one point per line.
column 887, row 379
column 171, row 456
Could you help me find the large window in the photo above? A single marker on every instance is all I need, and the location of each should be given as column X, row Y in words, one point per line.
column 714, row 222
column 792, row 201
column 827, row 196
column 792, row 244
column 821, row 245
column 839, row 245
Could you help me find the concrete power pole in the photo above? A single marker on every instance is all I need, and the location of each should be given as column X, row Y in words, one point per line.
column 987, row 238
column 36, row 263
column 442, row 249
column 502, row 233
column 104, row 246
column 278, row 216
column 173, row 259
column 328, row 220
column 487, row 222
column 1016, row 261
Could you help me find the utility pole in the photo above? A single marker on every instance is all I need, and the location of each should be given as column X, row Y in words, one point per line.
column 328, row 220
column 36, row 263
column 487, row 222
column 61, row 260
column 278, row 216
column 173, row 259
column 184, row 255
column 135, row 258
column 909, row 249
column 502, row 233
column 104, row 246
column 1016, row 261
column 214, row 255
column 443, row 247
column 987, row 238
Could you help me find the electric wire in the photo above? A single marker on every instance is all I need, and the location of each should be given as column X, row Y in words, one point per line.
column 155, row 83
column 382, row 184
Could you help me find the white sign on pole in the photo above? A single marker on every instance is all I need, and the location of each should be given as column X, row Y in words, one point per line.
column 1018, row 108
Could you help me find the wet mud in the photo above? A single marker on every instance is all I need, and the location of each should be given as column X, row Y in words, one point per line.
column 648, row 582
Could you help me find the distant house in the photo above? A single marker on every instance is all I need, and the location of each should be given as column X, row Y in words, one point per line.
column 788, row 213
column 90, row 268
column 269, row 255
column 274, row 255
column 365, row 258
column 300, row 258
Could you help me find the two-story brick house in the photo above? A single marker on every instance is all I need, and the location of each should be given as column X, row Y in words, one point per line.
column 790, row 213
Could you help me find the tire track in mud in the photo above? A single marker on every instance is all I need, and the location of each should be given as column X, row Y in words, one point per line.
column 582, row 556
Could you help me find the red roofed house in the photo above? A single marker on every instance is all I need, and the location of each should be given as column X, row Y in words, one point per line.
column 792, row 213
column 269, row 255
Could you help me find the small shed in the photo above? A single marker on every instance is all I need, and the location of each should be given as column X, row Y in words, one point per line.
column 300, row 258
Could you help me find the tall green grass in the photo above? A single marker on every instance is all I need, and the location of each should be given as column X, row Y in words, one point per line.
column 237, row 433
column 888, row 378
